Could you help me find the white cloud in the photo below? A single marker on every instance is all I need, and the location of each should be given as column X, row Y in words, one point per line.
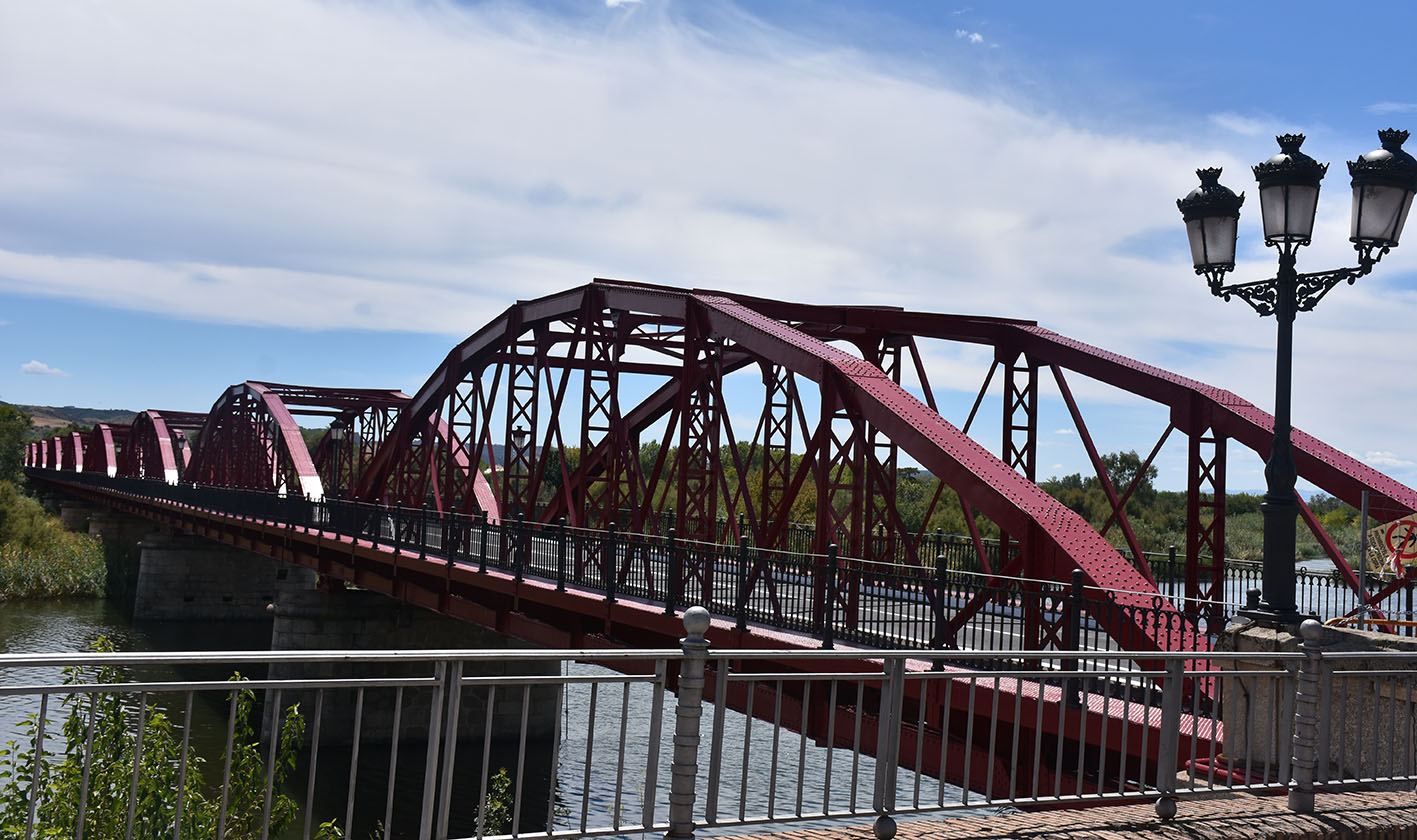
column 1384, row 108
column 37, row 368
column 1064, row 431
column 971, row 37
column 1386, row 460
column 1247, row 126
column 615, row 4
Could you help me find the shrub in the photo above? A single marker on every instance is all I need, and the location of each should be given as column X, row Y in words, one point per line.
column 57, row 781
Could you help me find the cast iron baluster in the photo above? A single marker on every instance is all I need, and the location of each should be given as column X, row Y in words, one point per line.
column 482, row 559
column 676, row 571
column 519, row 549
column 561, row 554
column 423, row 532
column 607, row 564
column 829, row 608
column 742, row 609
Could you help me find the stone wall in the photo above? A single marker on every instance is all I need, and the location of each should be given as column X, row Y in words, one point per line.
column 185, row 578
column 314, row 619
column 1368, row 723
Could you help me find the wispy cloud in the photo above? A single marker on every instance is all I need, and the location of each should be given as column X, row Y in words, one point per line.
column 971, row 37
column 1384, row 108
column 1386, row 460
column 37, row 368
column 1243, row 125
column 615, row 4
column 1064, row 431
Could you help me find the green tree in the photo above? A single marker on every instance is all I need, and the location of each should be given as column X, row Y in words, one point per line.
column 1123, row 468
column 15, row 426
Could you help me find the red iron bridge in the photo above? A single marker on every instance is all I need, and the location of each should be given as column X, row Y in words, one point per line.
column 578, row 472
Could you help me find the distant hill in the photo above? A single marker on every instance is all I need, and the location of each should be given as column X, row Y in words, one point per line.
column 58, row 416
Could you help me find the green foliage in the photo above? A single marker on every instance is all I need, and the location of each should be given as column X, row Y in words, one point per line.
column 39, row 558
column 497, row 804
column 150, row 780
column 14, row 432
column 1158, row 517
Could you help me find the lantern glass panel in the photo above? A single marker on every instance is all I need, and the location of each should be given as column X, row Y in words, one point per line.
column 1212, row 240
column 1288, row 211
column 1379, row 213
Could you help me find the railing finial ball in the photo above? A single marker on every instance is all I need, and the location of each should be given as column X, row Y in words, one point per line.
column 1311, row 630
column 884, row 827
column 696, row 622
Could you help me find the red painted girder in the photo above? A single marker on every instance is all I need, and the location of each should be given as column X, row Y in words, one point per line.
column 1003, row 495
column 1331, row 470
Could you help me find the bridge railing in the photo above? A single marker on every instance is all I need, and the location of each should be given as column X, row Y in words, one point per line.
column 883, row 604
column 890, row 605
column 591, row 743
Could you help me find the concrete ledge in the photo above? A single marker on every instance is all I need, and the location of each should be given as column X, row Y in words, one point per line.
column 1359, row 816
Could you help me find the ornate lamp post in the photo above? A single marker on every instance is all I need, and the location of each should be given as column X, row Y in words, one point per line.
column 337, row 432
column 1384, row 182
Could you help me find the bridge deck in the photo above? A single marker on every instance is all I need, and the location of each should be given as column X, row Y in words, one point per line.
column 536, row 610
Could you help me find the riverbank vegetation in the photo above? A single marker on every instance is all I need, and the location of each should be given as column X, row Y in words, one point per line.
column 91, row 780
column 39, row 558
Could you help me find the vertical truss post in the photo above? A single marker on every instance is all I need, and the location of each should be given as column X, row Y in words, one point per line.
column 1020, row 452
column 881, row 455
column 778, row 402
column 523, row 397
column 1020, row 438
column 840, row 481
column 601, row 423
column 1205, row 525
column 697, row 459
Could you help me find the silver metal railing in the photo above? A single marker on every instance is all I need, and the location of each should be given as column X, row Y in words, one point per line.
column 553, row 744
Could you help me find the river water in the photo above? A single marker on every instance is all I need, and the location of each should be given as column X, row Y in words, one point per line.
column 47, row 627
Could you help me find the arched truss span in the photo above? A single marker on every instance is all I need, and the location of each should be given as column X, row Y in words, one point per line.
column 104, row 446
column 253, row 439
column 1207, row 416
column 546, row 364
column 159, row 445
column 71, row 451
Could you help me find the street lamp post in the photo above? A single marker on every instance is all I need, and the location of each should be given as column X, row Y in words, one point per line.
column 337, row 431
column 1384, row 182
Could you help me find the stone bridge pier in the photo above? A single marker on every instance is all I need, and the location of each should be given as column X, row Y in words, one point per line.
column 311, row 617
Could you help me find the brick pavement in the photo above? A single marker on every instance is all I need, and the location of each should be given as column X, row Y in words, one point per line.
column 1359, row 816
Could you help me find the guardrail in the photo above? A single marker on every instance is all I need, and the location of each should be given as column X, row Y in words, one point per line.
column 884, row 605
column 116, row 744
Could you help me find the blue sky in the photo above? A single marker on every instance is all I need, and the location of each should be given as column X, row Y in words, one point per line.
column 336, row 192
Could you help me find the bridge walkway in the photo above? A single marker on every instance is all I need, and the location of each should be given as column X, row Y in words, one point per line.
column 1353, row 816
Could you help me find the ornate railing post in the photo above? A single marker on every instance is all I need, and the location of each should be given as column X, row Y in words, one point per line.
column 482, row 545
column 561, row 554
column 888, row 747
column 743, row 587
column 829, row 608
column 676, row 571
column 687, row 715
column 1072, row 632
column 423, row 531
column 1170, row 735
column 519, row 547
column 937, row 607
column 1306, row 720
column 609, row 574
